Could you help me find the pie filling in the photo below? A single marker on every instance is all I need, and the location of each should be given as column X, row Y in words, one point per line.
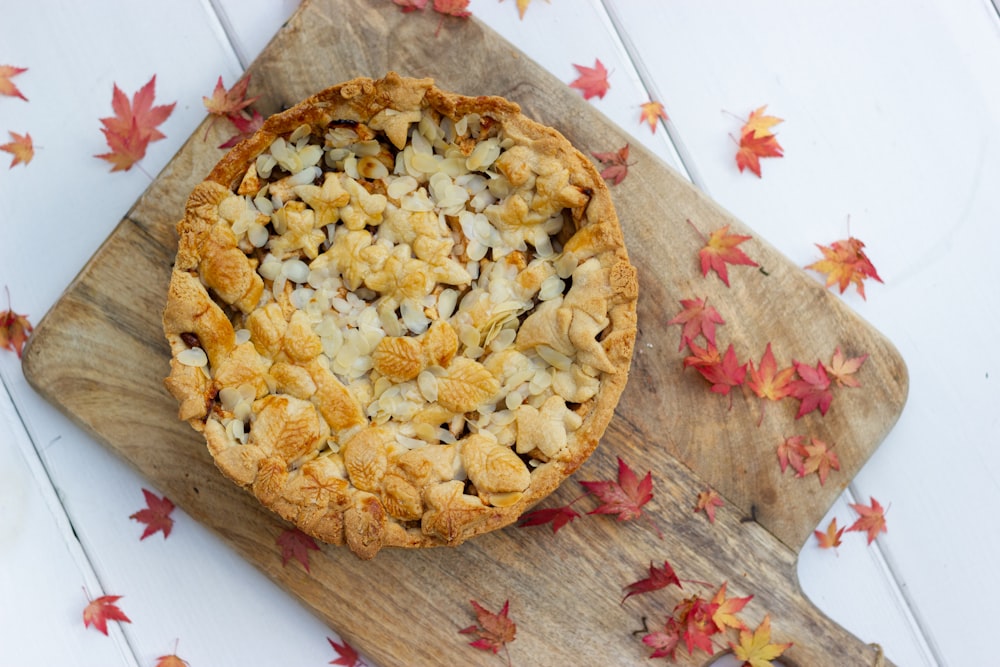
column 403, row 324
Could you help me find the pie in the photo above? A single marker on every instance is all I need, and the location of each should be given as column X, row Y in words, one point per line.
column 400, row 316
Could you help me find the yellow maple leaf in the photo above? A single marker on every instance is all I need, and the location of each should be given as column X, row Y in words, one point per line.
column 652, row 112
column 755, row 648
column 21, row 148
column 760, row 124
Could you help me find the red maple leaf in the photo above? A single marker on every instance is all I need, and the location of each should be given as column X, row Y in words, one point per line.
column 702, row 356
column 347, row 656
column 493, row 630
column 845, row 263
column 812, row 388
column 224, row 103
column 727, row 608
column 792, row 452
column 698, row 319
column 615, row 164
column 559, row 516
column 659, row 577
column 767, row 382
column 593, row 81
column 652, row 113
column 830, row 538
column 171, row 660
column 156, row 515
column 841, row 370
column 664, row 642
column 624, row 497
column 708, row 500
column 245, row 125
column 408, row 6
column 133, row 126
column 7, row 87
column 98, row 612
column 295, row 544
column 456, row 8
column 14, row 329
column 719, row 250
column 697, row 625
column 871, row 519
column 725, row 374
column 21, row 147
column 819, row 459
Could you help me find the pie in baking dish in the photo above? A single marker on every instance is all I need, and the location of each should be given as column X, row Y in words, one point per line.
column 400, row 316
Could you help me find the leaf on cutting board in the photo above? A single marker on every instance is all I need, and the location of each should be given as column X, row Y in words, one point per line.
column 7, row 87
column 493, row 631
column 557, row 516
column 21, row 147
column 614, row 164
column 719, row 250
column 156, row 515
column 624, row 497
column 697, row 319
column 708, row 501
column 842, row 370
column 98, row 612
column 593, row 81
column 224, row 103
column 245, row 124
column 755, row 648
column 659, row 577
column 295, row 544
column 812, row 388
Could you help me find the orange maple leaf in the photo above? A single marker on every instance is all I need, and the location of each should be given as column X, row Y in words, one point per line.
column 759, row 124
column 844, row 263
column 133, row 126
column 871, row 519
column 841, row 370
column 819, row 459
column 792, row 453
column 156, row 515
column 719, row 250
column 228, row 102
column 171, row 660
column 21, row 147
column 767, row 382
column 753, row 147
column 14, row 329
column 727, row 608
column 7, row 87
column 708, row 500
column 755, row 648
column 493, row 630
column 98, row 612
column 652, row 113
column 830, row 538
column 593, row 81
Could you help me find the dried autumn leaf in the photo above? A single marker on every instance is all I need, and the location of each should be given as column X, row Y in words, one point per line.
column 224, row 103
column 871, row 519
column 727, row 608
column 841, row 370
column 98, row 612
column 845, row 263
column 171, row 660
column 697, row 626
column 21, row 147
column 296, row 544
column 652, row 113
column 767, row 382
column 522, row 7
column 725, row 374
column 708, row 500
column 659, row 577
column 593, row 81
column 792, row 452
column 347, row 656
column 755, row 648
column 7, row 87
column 456, row 8
column 133, row 126
column 759, row 124
column 664, row 642
column 752, row 148
column 624, row 497
column 721, row 249
column 408, row 6
column 558, row 516
column 812, row 389
column 698, row 319
column 830, row 538
column 14, row 329
column 819, row 459
column 615, row 164
column 156, row 515
column 245, row 126
column 493, row 630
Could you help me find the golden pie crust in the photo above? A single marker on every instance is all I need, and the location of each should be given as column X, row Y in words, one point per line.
column 400, row 316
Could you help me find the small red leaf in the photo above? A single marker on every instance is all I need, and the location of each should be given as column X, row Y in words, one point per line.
column 615, row 164
column 812, row 389
column 14, row 329
column 230, row 102
column 659, row 577
column 624, row 497
column 493, row 630
column 871, row 520
column 347, row 656
column 559, row 516
column 708, row 501
column 698, row 319
column 98, row 612
column 593, row 81
column 296, row 544
column 156, row 515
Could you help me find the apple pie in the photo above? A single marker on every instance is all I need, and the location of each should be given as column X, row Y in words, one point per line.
column 400, row 316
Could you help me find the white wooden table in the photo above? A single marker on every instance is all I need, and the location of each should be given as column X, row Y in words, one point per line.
column 891, row 134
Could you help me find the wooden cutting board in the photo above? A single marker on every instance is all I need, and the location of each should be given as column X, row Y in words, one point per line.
column 100, row 356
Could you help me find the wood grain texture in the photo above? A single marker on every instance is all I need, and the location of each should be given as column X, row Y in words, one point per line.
column 100, row 356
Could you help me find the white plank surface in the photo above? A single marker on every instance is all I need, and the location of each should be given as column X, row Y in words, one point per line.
column 892, row 120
